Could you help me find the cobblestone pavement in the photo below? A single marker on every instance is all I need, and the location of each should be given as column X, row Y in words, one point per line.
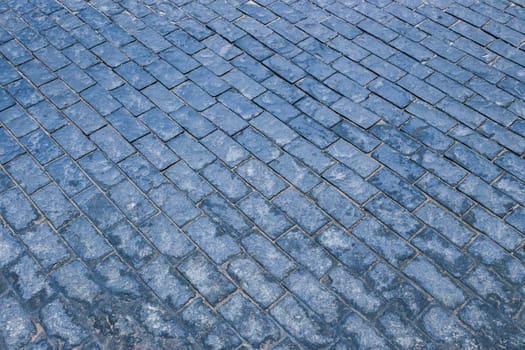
column 273, row 174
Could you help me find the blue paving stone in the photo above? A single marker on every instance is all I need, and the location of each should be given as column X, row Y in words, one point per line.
column 5, row 181
column 445, row 223
column 402, row 192
column 437, row 284
column 128, row 126
column 353, row 134
column 187, row 180
column 114, row 145
column 194, row 96
column 142, row 172
column 225, row 148
column 18, row 122
column 105, row 77
column 129, row 97
column 155, row 151
column 132, row 203
column 392, row 215
column 76, row 78
column 55, row 206
column 15, row 322
column 11, row 248
column 401, row 333
column 268, row 255
column 442, row 168
column 230, row 184
column 512, row 164
column 117, row 277
column 249, row 66
column 444, row 194
column 350, row 183
column 254, row 281
column 46, row 245
column 398, row 162
column 29, row 281
column 193, row 122
column 347, row 249
column 165, row 73
column 16, row 209
column 184, row 41
column 100, row 99
column 216, row 243
column 277, row 106
column 318, row 91
column 275, row 129
column 59, row 322
column 493, row 289
column 163, row 126
column 269, row 218
column 36, row 72
column 443, row 252
column 166, row 236
column 109, row 54
column 208, row 328
column 395, row 139
column 272, row 81
column 225, row 214
column 335, row 204
column 311, row 292
column 130, row 244
column 207, row 279
column 26, row 94
column 162, row 98
column 378, row 238
column 27, row 173
column 251, row 323
column 9, row 147
column 354, row 291
column 100, row 169
column 492, row 255
column 306, row 252
column 166, row 283
column 240, row 104
column 84, row 117
column 174, row 203
column 297, row 320
column 135, row 75
column 491, row 198
column 8, row 73
column 261, row 177
column 301, row 210
column 85, row 240
column 15, row 52
column 471, row 138
column 492, row 227
column 98, row 208
column 282, row 88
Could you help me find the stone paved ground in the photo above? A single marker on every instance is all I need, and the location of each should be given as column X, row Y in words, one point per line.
column 276, row 174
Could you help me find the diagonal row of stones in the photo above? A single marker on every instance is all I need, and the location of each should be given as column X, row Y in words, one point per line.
column 222, row 174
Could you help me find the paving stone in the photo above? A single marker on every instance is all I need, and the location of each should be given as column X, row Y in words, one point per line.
column 251, row 323
column 55, row 206
column 306, row 252
column 174, row 203
column 397, row 126
column 206, row 278
column 297, row 320
column 439, row 285
column 214, row 241
column 166, row 283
